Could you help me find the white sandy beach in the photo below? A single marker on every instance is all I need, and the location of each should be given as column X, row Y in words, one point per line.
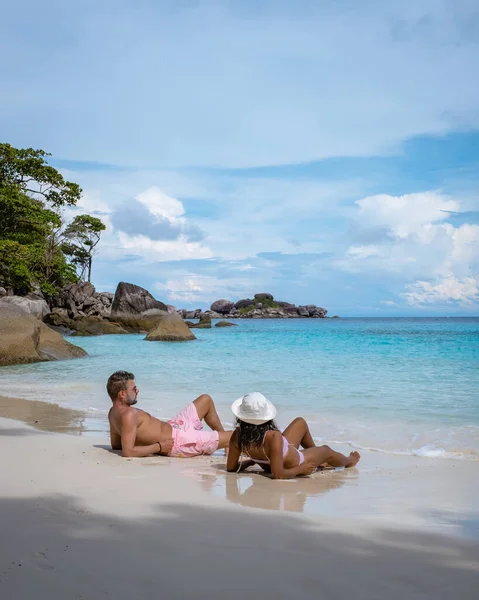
column 78, row 521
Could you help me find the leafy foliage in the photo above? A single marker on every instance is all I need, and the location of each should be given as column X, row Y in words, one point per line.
column 81, row 238
column 266, row 303
column 32, row 233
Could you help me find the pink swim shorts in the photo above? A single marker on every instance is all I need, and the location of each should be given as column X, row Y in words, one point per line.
column 189, row 437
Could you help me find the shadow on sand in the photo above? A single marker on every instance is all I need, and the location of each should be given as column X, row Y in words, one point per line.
column 54, row 547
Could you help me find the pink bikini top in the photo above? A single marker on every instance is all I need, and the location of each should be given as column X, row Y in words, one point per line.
column 267, row 461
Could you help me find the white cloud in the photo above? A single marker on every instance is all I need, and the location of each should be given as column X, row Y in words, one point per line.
column 160, row 205
column 360, row 252
column 444, row 291
column 194, row 288
column 236, row 84
column 419, row 245
column 162, row 250
column 404, row 215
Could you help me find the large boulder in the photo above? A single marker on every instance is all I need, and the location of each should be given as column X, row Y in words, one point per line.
column 3, row 292
column 263, row 297
column 92, row 325
column 282, row 304
column 75, row 293
column 170, row 328
column 133, row 300
column 244, row 303
column 25, row 339
column 36, row 307
column 135, row 308
column 222, row 306
column 225, row 324
column 81, row 325
column 204, row 323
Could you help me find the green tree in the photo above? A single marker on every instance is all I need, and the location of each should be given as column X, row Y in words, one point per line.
column 81, row 239
column 28, row 171
column 32, row 194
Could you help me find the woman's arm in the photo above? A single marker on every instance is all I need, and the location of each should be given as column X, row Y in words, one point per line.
column 274, row 449
column 233, row 453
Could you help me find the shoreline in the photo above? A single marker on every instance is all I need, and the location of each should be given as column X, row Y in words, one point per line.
column 77, row 520
column 411, row 491
column 48, row 416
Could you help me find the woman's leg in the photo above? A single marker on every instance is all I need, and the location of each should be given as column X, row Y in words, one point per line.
column 297, row 433
column 325, row 454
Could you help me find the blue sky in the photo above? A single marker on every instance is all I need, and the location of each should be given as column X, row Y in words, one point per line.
column 326, row 152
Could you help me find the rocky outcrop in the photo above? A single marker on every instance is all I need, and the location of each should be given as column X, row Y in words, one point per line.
column 133, row 299
column 262, row 306
column 25, row 339
column 223, row 307
column 81, row 326
column 170, row 328
column 81, row 299
column 244, row 303
column 3, row 292
column 37, row 307
column 225, row 324
column 204, row 323
column 264, row 296
column 135, row 309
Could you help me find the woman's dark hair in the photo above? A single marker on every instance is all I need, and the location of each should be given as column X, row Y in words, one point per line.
column 253, row 435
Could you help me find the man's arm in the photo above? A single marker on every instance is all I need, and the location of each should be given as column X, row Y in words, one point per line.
column 115, row 439
column 128, row 437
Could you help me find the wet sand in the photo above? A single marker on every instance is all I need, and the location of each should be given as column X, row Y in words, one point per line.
column 48, row 417
column 79, row 521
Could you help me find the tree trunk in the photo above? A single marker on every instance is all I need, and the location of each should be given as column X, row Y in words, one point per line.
column 89, row 269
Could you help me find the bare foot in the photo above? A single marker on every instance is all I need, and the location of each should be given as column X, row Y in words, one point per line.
column 353, row 459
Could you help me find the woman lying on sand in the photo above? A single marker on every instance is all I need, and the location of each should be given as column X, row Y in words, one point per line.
column 257, row 436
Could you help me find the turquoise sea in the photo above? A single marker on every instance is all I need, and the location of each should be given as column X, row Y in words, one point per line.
column 405, row 385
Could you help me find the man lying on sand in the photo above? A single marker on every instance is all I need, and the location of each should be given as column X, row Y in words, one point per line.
column 136, row 433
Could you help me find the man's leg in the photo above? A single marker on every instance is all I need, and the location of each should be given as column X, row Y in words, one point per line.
column 206, row 409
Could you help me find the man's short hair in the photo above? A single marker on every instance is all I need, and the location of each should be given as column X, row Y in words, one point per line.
column 118, row 382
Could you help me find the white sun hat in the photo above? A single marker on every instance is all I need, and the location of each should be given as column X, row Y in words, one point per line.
column 253, row 408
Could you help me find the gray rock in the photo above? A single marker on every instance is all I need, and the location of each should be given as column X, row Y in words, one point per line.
column 290, row 311
column 135, row 308
column 303, row 311
column 225, row 324
column 204, row 323
column 170, row 328
column 25, row 339
column 76, row 292
column 3, row 292
column 222, row 306
column 244, row 303
column 38, row 307
column 213, row 314
column 134, row 300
